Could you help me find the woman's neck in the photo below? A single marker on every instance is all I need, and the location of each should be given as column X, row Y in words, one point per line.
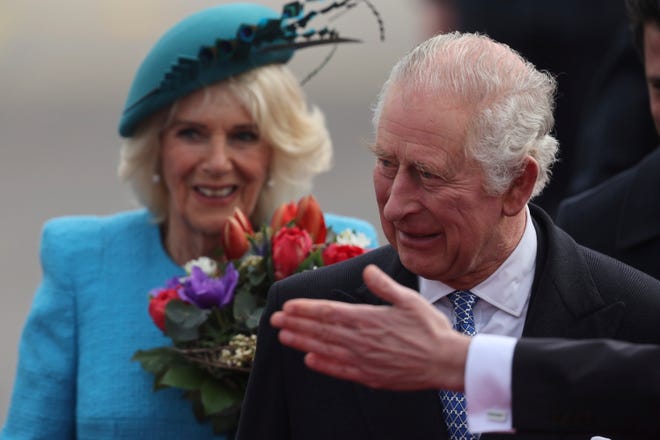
column 185, row 247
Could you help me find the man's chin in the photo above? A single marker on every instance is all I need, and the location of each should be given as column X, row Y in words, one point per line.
column 422, row 265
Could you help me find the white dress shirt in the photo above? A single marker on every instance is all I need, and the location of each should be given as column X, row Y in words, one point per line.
column 501, row 310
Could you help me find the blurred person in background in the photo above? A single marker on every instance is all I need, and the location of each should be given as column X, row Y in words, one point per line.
column 621, row 216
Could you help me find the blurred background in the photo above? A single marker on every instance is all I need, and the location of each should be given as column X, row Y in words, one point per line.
column 65, row 69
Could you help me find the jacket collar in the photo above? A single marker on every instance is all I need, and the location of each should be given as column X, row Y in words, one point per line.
column 639, row 218
column 565, row 302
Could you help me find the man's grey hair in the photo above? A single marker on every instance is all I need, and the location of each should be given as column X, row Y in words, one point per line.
column 511, row 103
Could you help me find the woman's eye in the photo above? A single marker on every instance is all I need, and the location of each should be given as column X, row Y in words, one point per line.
column 190, row 134
column 246, row 136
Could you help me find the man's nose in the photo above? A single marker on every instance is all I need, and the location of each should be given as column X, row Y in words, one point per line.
column 402, row 198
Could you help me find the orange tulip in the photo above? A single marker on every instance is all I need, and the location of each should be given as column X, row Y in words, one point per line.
column 283, row 215
column 234, row 239
column 243, row 221
column 310, row 218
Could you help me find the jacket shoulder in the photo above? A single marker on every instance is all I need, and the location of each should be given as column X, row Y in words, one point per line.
column 78, row 237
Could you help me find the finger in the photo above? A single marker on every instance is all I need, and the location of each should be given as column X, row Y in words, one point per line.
column 299, row 324
column 381, row 285
column 348, row 371
column 308, row 344
column 328, row 311
column 332, row 333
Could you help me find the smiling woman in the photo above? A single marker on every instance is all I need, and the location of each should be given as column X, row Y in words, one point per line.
column 214, row 121
column 213, row 161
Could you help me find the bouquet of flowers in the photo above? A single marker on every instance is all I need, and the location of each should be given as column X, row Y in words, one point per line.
column 211, row 314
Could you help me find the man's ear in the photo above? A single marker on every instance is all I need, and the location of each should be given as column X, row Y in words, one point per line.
column 520, row 191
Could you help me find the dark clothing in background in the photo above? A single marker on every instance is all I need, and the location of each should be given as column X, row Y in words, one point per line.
column 603, row 121
column 620, row 217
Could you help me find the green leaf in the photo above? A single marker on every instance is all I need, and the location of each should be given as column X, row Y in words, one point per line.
column 217, row 397
column 244, row 304
column 185, row 377
column 312, row 261
column 253, row 320
column 256, row 277
column 156, row 360
column 182, row 321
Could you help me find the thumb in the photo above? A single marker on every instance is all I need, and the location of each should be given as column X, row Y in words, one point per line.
column 384, row 287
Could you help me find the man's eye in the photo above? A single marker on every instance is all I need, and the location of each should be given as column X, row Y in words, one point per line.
column 388, row 168
column 386, row 163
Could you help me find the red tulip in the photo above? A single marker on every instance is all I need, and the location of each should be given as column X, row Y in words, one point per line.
column 157, row 306
column 340, row 252
column 290, row 247
column 283, row 215
column 234, row 235
column 310, row 218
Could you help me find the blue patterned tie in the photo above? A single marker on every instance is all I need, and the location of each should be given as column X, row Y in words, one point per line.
column 453, row 403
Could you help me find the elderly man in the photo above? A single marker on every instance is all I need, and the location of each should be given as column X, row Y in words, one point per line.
column 462, row 144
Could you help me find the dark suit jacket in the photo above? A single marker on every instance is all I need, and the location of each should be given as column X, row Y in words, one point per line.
column 621, row 216
column 602, row 109
column 609, row 385
column 577, row 293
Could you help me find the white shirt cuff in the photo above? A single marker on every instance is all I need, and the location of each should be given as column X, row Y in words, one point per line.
column 488, row 383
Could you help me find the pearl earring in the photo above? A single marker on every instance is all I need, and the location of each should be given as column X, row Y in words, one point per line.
column 155, row 178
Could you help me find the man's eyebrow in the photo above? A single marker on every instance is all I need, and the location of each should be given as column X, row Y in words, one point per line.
column 426, row 166
column 376, row 149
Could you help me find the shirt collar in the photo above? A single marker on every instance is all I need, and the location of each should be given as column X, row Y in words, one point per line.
column 509, row 287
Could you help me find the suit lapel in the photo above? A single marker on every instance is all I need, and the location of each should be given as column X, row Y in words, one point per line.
column 565, row 302
column 410, row 415
column 391, row 265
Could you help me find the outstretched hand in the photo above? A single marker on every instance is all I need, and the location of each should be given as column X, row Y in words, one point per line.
column 406, row 346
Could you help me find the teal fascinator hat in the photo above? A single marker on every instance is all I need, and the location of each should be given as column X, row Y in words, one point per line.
column 216, row 43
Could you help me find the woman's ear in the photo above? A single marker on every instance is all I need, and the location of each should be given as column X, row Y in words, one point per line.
column 521, row 189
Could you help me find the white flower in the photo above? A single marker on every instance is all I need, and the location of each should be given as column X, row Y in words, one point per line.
column 349, row 236
column 207, row 265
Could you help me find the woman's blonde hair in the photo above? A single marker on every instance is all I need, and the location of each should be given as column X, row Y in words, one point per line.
column 297, row 134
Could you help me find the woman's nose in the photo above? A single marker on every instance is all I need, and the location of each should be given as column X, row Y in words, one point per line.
column 217, row 160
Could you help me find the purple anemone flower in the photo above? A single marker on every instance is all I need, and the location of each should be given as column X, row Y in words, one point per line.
column 206, row 292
